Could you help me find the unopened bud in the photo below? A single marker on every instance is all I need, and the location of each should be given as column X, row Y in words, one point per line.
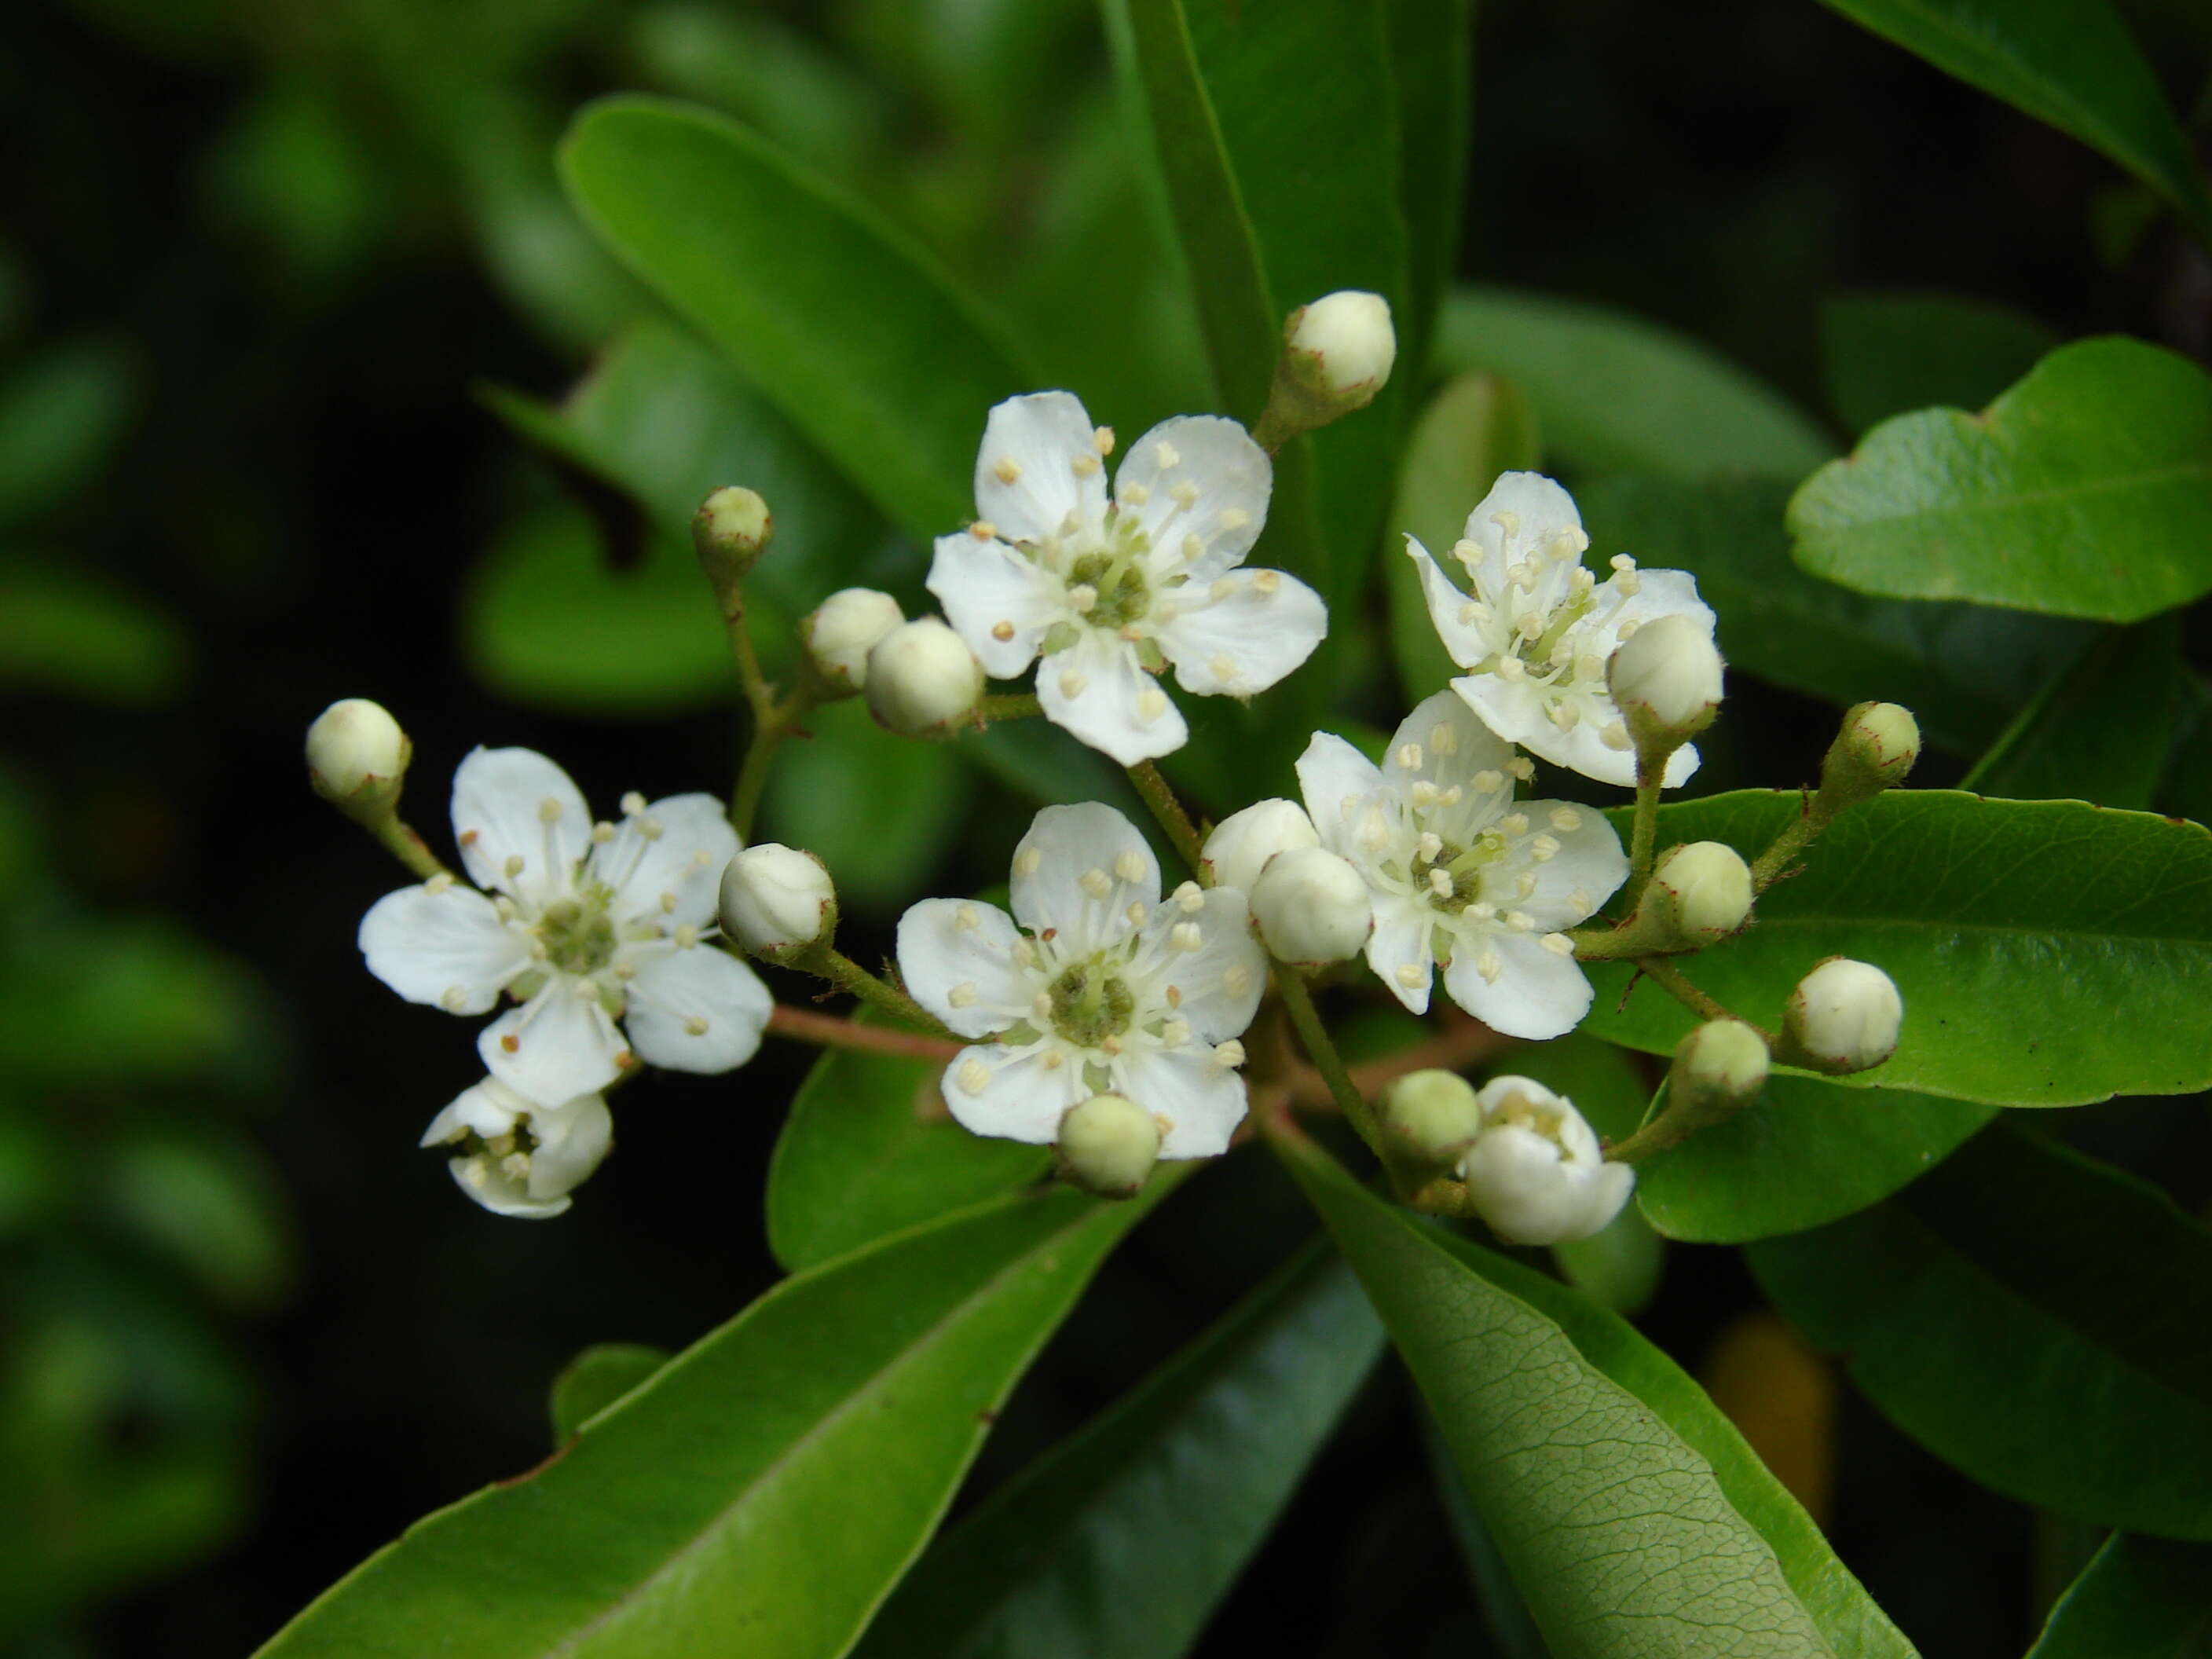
column 1699, row 894
column 776, row 899
column 1108, row 1144
column 1666, row 680
column 357, row 756
column 1337, row 354
column 1875, row 750
column 1535, row 1173
column 921, row 679
column 1719, row 1068
column 730, row 531
column 1312, row 907
column 841, row 631
column 1433, row 1114
column 1241, row 843
column 1844, row 1016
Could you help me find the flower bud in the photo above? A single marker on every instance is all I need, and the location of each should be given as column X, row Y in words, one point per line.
column 1719, row 1069
column 776, row 899
column 1344, row 345
column 1844, row 1016
column 356, row 756
column 516, row 1157
column 1666, row 679
column 1535, row 1173
column 1434, row 1114
column 840, row 632
column 1873, row 751
column 1699, row 894
column 1241, row 843
column 730, row 531
column 1107, row 1146
column 1312, row 907
column 922, row 677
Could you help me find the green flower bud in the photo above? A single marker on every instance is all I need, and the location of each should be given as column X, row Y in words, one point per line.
column 1312, row 907
column 1108, row 1146
column 1719, row 1068
column 1699, row 894
column 1875, row 750
column 1844, row 1016
column 921, row 679
column 730, row 531
column 1666, row 679
column 357, row 756
column 1434, row 1114
column 839, row 633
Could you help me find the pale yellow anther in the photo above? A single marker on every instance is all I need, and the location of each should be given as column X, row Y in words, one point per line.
column 1473, row 613
column 1581, row 581
column 1223, row 589
column 1621, row 562
column 1072, row 683
column 1151, row 703
column 1424, row 794
column 1566, row 715
column 967, row 918
column 548, row 810
column 513, row 866
column 632, row 804
column 1580, row 900
column 963, row 996
column 975, row 1076
column 651, row 829
column 687, row 935
column 1529, row 624
column 625, row 971
column 439, row 883
column 1589, row 666
column 1630, row 582
column 1558, row 945
column 696, row 1025
column 1164, row 453
column 1489, row 967
column 1135, row 913
column 1051, row 1060
column 1135, row 494
column 1410, row 756
column 1510, row 668
column 1440, row 882
column 1128, row 866
column 452, row 999
column 1110, row 1044
column 1410, row 976
column 1041, row 1009
column 1175, row 1034
column 1507, row 521
column 668, row 904
column 1566, row 820
column 1237, row 981
column 1234, row 518
column 1443, row 738
column 1192, row 547
column 1190, row 898
column 1544, row 848
column 1452, row 796
column 584, row 990
column 603, row 832
column 1222, row 667
column 1183, row 494
column 1097, row 883
column 1002, row 630
column 1027, row 860
column 515, row 1166
column 1084, row 466
column 1489, row 781
column 983, row 531
column 1467, row 552
column 1083, row 595
column 1229, row 1055
column 1514, row 824
column 1265, row 582
column 1006, row 470
column 1175, row 996
column 1522, row 768
column 1431, row 845
column 1102, row 440
column 1186, row 936
column 1023, row 953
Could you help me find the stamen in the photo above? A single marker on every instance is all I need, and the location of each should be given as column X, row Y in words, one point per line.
column 1443, row 738
column 439, row 883
column 1489, row 781
column 1627, row 630
column 1544, row 849
column 1184, row 494
column 1186, row 936
column 974, row 1076
column 1072, row 683
column 695, row 1026
column 1514, row 824
column 1237, row 979
column 1135, row 913
column 1026, row 861
column 1135, row 494
column 1431, row 845
column 1040, row 1008
column 1083, row 466
column 1440, row 882
column 1223, row 667
column 1234, row 518
column 452, row 999
column 1264, row 582
column 1229, row 1055
column 1522, row 768
column 602, row 833
column 1023, row 953
column 1102, row 440
column 1002, row 630
column 548, row 810
column 1175, row 996
column 1190, row 898
column 967, row 918
column 1083, row 595
column 1175, row 1034
column 1409, row 975
column 1006, row 470
column 1223, row 589
column 1128, row 866
column 1510, row 668
column 1096, row 883
column 983, row 531
column 1051, row 1060
column 1489, row 967
column 1151, row 703
column 1566, row 820
column 1558, row 945
column 1164, row 453
column 513, row 866
column 651, row 829
column 963, row 996
column 632, row 804
column 1410, row 756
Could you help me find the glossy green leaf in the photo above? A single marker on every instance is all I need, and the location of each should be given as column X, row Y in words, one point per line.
column 1634, row 1518
column 879, row 810
column 595, row 1379
column 1504, row 1614
column 1432, row 53
column 867, row 1151
column 2141, row 1598
column 1475, row 428
column 1886, row 353
column 1119, row 1542
column 2100, row 731
column 715, row 1506
column 2037, row 1319
column 1618, row 394
column 1965, row 669
column 2016, row 931
column 2085, row 491
column 2070, row 63
column 853, row 334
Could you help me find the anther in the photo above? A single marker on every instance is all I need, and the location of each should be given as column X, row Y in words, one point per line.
column 1128, row 866
column 1051, row 1060
column 1558, row 945
column 1489, row 967
column 983, row 531
column 1522, row 768
column 1234, row 518
column 967, row 918
column 1006, row 470
column 1084, row 466
column 1102, row 440
column 1097, row 883
column 1040, row 1008
column 452, row 999
column 1410, row 756
column 963, row 996
column 1175, row 1034
column 668, row 904
column 1002, row 631
column 687, row 935
column 1186, row 936
column 1023, row 953
column 1135, row 494
column 1440, row 882
column 975, row 1076
column 1627, row 629
column 1514, row 824
column 1175, row 996
column 1190, row 898
column 1529, row 625
column 1222, row 590
column 1510, row 668
column 1544, row 848
column 1409, row 976
column 1164, row 453
column 1229, row 1055
column 513, row 866
column 1151, row 703
column 651, row 829
column 548, row 810
column 1072, row 683
column 1443, row 739
column 1489, row 781
column 1431, row 845
column 1135, row 913
column 1223, row 667
column 603, row 832
column 511, row 1042
column 1027, row 860
column 632, row 804
column 1083, row 595
column 695, row 1026
column 1183, row 494
column 1237, row 979
column 1265, row 582
column 1566, row 820
column 439, row 883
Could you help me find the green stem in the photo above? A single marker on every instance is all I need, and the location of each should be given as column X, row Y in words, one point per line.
column 1169, row 811
column 1768, row 867
column 398, row 838
column 1643, row 833
column 770, row 730
column 1008, row 706
column 1671, row 1127
column 841, row 970
column 1321, row 1051
column 1670, row 979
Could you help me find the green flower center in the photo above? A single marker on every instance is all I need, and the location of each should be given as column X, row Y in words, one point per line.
column 578, row 934
column 1090, row 1004
column 1462, row 866
column 1118, row 578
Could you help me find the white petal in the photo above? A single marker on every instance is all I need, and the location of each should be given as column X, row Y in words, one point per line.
column 1202, row 1100
column 1401, row 940
column 1589, row 862
column 1227, row 473
column 684, row 861
column 1515, row 711
column 1016, row 1095
column 1537, row 995
column 1064, row 845
column 1658, row 593
column 513, row 805
column 1262, row 625
column 1217, row 985
column 572, row 1140
column 564, row 1045
column 1098, row 690
column 987, row 590
column 1453, row 747
column 487, row 1108
column 697, row 1010
column 1027, row 476
column 501, row 1193
column 1335, row 778
column 1464, row 641
column 448, row 948
column 1537, row 509
column 946, row 946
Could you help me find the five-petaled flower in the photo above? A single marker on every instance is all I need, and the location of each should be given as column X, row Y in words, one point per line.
column 1535, row 634
column 516, row 1157
column 586, row 924
column 1111, row 591
column 1462, row 875
column 1101, row 988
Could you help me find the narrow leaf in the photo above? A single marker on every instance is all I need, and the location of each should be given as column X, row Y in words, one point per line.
column 2141, row 1598
column 2100, row 731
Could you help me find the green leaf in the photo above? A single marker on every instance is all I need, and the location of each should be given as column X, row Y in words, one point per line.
column 2141, row 1598
column 1504, row 1614
column 852, row 333
column 1119, row 1542
column 86, row 637
column 595, row 1379
column 1802, row 1154
column 2085, row 491
column 1633, row 1517
column 1616, row 393
column 1884, row 353
column 1475, row 428
column 880, row 810
column 2037, row 1319
column 1431, row 58
column 867, row 1151
column 2101, row 730
column 62, row 415
column 2014, row 930
column 2070, row 63
column 717, row 1503
column 1965, row 670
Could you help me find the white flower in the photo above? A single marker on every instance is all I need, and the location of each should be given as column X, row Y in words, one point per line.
column 1667, row 677
column 517, row 1159
column 1106, row 591
column 921, row 676
column 1844, row 1016
column 1241, row 843
column 584, row 925
column 1348, row 342
column 1312, row 906
column 1534, row 1172
column 1537, row 632
column 353, row 745
column 1460, row 874
column 776, row 897
column 1103, row 988
column 841, row 631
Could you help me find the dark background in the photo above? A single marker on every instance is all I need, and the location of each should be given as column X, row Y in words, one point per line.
column 260, row 210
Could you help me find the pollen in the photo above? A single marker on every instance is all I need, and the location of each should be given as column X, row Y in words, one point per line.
column 1084, row 466
column 1489, row 781
column 1522, row 768
column 1190, row 898
column 967, row 918
column 1006, row 470
column 1514, row 824
column 1234, row 518
column 548, row 810
column 1164, row 453
column 1409, row 976
column 439, row 883
column 961, row 996
column 975, row 1076
column 1175, row 1034
column 1128, row 866
column 1151, row 703
column 1443, row 738
column 1101, row 440
column 1002, row 631
column 1072, row 683
column 1410, row 756
column 1027, row 860
column 1566, row 820
column 1229, row 1055
column 511, row 1043
column 983, row 531
column 1558, row 945
column 1186, row 936
column 1097, row 883
column 695, row 1026
column 1510, row 668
